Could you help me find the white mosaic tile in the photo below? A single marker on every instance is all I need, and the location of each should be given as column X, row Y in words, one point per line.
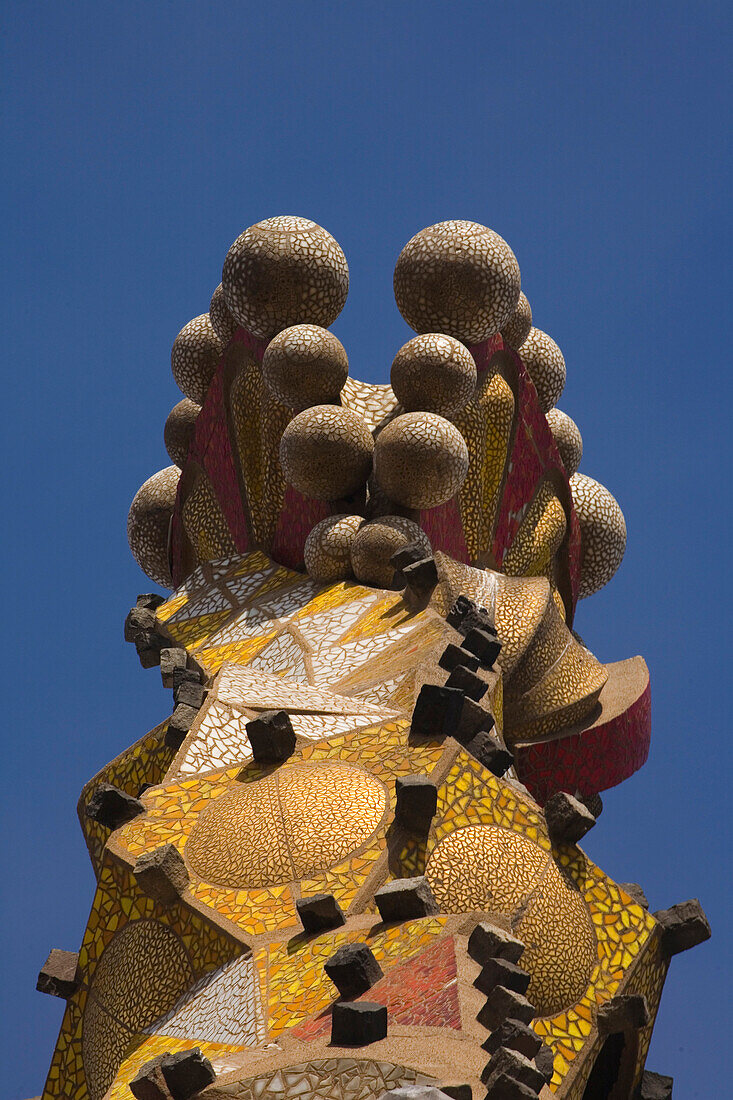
column 221, row 1007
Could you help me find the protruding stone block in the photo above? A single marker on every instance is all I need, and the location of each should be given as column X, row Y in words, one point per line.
column 139, row 621
column 358, row 1023
column 466, row 615
column 636, row 893
column 515, row 1035
column 190, row 694
column 319, row 913
column 179, row 724
column 504, row 1087
column 148, row 646
column 162, row 874
column 594, row 802
column 151, row 600
column 655, row 1086
column 488, row 941
column 683, row 926
column 416, row 803
column 406, row 899
column 184, row 676
column 454, row 656
column 421, row 576
column 544, row 1059
column 502, row 972
column 504, row 1004
column 58, row 975
column 490, row 752
column 353, row 970
column 171, row 659
column 111, row 807
column 457, row 1092
column 626, row 1012
column 473, row 720
column 272, row 737
column 437, row 711
column 484, row 644
column 149, row 1082
column 567, row 818
column 512, row 1064
column 404, row 557
column 184, row 1074
column 468, row 682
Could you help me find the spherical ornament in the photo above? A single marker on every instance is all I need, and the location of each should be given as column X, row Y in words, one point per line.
column 433, row 372
column 326, row 452
column 568, row 439
column 284, row 271
column 457, row 277
column 222, row 321
column 148, row 521
column 517, row 328
column 602, row 533
column 420, row 460
column 305, row 365
column 327, row 550
column 195, row 356
column 375, row 543
column 546, row 365
column 178, row 431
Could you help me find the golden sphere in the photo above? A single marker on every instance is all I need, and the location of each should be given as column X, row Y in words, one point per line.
column 195, row 356
column 459, row 278
column 179, row 428
column 222, row 321
column 305, row 365
column 300, row 820
column 327, row 548
column 568, row 439
column 546, row 365
column 148, row 521
column 420, row 460
column 374, row 544
column 517, row 328
column 484, row 867
column 284, row 271
column 326, row 452
column 433, row 372
column 602, row 533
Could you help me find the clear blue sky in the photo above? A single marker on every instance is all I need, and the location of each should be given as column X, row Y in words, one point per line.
column 139, row 139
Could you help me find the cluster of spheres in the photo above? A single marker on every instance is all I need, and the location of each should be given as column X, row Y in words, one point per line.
column 457, row 284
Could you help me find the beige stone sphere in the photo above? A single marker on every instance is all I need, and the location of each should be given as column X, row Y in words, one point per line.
column 195, row 356
column 375, row 543
column 148, row 521
column 457, row 277
column 602, row 533
column 305, row 365
column 433, row 372
column 178, row 430
column 517, row 328
column 222, row 321
column 420, row 460
column 546, row 365
column 327, row 552
column 568, row 439
column 326, row 452
column 284, row 271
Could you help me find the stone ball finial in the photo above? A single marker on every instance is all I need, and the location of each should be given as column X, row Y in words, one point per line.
column 546, row 365
column 195, row 356
column 305, row 365
column 433, row 372
column 517, row 328
column 568, row 439
column 326, row 452
column 374, row 544
column 457, row 277
column 178, row 430
column 602, row 533
column 284, row 271
column 222, row 321
column 148, row 521
column 327, row 552
column 420, row 460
